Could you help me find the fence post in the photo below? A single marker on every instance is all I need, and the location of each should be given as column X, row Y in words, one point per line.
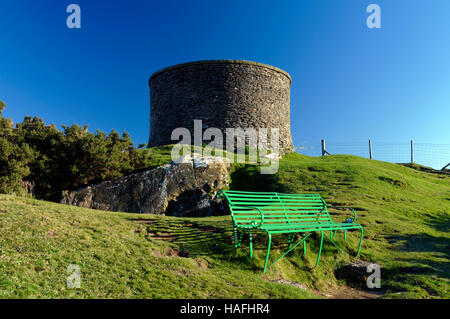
column 370, row 149
column 412, row 152
column 323, row 148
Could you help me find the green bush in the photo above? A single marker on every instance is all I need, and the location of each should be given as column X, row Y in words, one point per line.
column 54, row 160
column 14, row 158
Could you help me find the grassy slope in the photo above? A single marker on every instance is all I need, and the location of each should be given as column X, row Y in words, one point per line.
column 405, row 213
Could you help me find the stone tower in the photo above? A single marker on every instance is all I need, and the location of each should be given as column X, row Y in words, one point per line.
column 223, row 94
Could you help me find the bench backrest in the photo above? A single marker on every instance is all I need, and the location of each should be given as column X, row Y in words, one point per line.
column 276, row 207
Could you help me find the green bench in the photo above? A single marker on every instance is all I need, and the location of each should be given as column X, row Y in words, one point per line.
column 278, row 213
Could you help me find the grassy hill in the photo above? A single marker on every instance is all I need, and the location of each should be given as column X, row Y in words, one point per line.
column 405, row 212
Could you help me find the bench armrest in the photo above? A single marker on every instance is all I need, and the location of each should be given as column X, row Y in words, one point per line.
column 261, row 216
column 219, row 194
column 338, row 207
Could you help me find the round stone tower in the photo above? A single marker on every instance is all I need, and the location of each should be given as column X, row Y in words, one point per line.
column 223, row 94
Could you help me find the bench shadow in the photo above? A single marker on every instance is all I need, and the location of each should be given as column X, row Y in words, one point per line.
column 197, row 238
column 193, row 238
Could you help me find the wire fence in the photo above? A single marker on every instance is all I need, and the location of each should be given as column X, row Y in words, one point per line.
column 436, row 156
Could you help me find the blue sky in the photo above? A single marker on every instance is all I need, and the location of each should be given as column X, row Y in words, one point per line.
column 350, row 83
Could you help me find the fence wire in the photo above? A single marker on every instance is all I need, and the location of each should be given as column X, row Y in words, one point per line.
column 427, row 154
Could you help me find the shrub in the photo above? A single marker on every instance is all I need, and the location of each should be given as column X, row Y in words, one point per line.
column 55, row 160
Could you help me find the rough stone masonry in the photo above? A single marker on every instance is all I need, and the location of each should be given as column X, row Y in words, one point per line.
column 223, row 94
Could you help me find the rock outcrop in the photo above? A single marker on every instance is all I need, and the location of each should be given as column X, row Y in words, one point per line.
column 184, row 187
column 356, row 273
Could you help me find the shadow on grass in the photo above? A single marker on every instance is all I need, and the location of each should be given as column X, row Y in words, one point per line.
column 440, row 223
column 426, row 169
column 249, row 178
column 215, row 239
column 423, row 242
column 194, row 238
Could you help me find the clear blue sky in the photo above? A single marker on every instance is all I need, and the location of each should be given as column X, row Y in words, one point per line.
column 350, row 83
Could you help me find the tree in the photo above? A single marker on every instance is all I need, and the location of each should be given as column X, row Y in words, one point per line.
column 54, row 160
column 14, row 158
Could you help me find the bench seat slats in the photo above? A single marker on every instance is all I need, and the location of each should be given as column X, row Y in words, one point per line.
column 280, row 211
column 265, row 206
column 297, row 221
column 312, row 228
column 302, row 225
column 275, row 212
column 242, row 193
column 269, row 198
column 277, row 209
column 290, row 210
column 275, row 200
column 280, row 217
column 281, row 221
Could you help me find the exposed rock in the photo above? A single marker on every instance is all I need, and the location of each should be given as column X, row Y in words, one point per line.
column 185, row 187
column 355, row 273
column 291, row 283
column 29, row 187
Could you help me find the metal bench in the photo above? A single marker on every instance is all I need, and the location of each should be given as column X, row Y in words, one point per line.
column 279, row 213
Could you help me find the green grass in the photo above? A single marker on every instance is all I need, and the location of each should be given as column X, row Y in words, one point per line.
column 405, row 212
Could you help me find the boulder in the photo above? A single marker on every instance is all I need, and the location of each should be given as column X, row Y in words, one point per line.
column 185, row 187
column 355, row 273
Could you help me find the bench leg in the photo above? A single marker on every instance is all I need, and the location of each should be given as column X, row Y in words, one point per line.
column 304, row 244
column 240, row 238
column 360, row 242
column 331, row 240
column 237, row 242
column 251, row 243
column 345, row 235
column 291, row 239
column 268, row 253
column 320, row 251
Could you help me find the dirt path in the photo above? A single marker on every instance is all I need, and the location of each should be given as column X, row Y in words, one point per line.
column 342, row 292
column 345, row 292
